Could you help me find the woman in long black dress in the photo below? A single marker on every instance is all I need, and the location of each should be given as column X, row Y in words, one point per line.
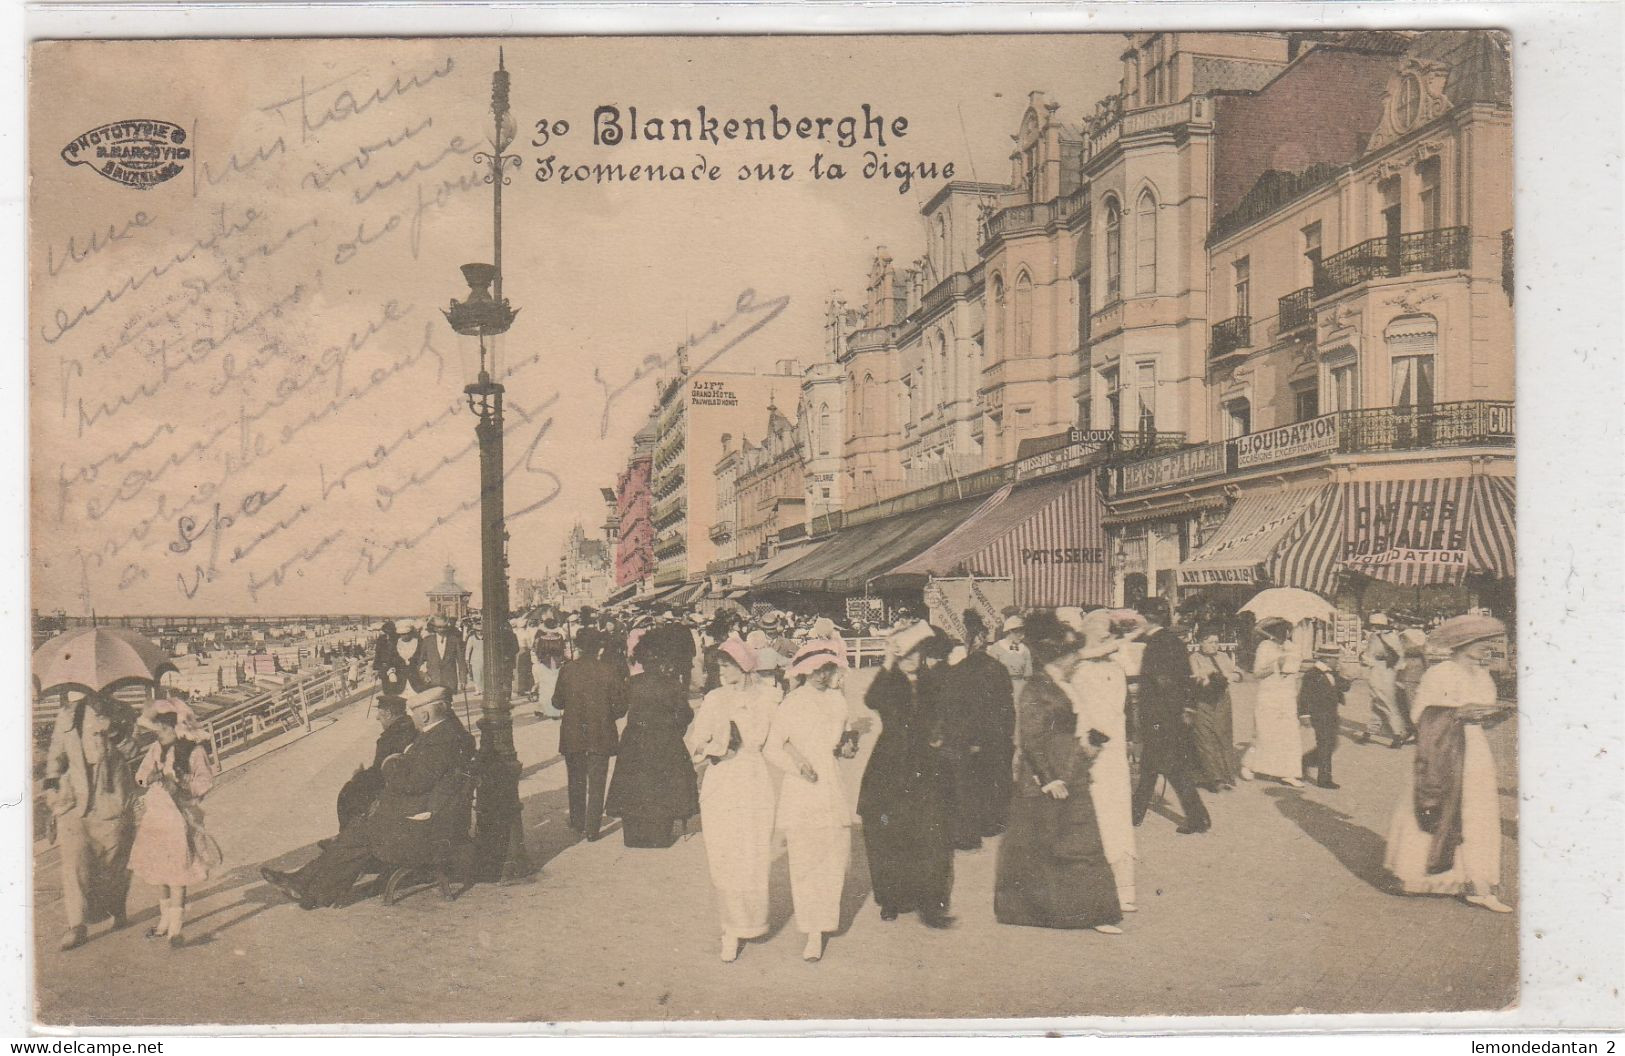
column 906, row 797
column 1052, row 870
column 654, row 786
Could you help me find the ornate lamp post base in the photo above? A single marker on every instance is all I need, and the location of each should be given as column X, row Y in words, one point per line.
column 499, row 828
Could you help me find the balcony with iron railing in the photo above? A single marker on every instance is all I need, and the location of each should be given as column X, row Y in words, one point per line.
column 669, row 545
column 1197, row 110
column 1295, row 311
column 1378, row 430
column 669, row 512
column 1441, row 249
column 1232, row 335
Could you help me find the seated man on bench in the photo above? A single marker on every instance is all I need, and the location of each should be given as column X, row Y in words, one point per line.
column 400, row 821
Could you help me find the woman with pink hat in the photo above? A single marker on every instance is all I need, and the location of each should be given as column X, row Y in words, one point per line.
column 736, row 793
column 1445, row 838
column 807, row 741
column 171, row 850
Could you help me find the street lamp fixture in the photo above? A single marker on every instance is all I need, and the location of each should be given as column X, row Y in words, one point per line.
column 485, row 314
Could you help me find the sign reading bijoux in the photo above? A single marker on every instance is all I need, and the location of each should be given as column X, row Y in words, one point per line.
column 1189, row 464
column 1081, row 443
column 1313, row 437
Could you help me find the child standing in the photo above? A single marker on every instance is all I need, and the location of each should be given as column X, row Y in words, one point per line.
column 171, row 850
column 1320, row 694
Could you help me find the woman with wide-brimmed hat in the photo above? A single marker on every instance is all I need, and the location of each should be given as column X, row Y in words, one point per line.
column 736, row 793
column 1100, row 690
column 808, row 738
column 654, row 784
column 1277, row 748
column 1445, row 838
column 172, row 851
column 906, row 797
column 1052, row 869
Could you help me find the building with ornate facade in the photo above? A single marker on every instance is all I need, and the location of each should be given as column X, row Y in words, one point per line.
column 1358, row 371
column 693, row 412
column 1260, row 296
column 634, row 525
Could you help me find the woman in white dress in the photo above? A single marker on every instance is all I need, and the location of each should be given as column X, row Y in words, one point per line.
column 1277, row 748
column 1099, row 688
column 807, row 741
column 1445, row 838
column 736, row 793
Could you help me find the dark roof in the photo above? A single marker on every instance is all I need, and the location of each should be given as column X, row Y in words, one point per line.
column 1479, row 63
column 1210, row 74
column 1379, row 41
column 1273, row 190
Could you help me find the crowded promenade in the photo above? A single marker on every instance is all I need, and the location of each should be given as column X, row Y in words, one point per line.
column 1285, row 899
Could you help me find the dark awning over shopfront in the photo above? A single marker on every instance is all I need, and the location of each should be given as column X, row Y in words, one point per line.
column 845, row 563
column 1045, row 536
column 1431, row 530
column 1288, row 538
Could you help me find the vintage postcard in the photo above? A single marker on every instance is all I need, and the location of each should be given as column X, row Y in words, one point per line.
column 590, row 530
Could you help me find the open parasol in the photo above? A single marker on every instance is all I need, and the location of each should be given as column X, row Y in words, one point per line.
column 97, row 659
column 1292, row 604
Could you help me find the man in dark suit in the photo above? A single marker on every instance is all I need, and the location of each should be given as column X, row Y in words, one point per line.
column 1167, row 709
column 441, row 657
column 1320, row 694
column 398, row 825
column 592, row 697
column 397, row 733
column 979, row 720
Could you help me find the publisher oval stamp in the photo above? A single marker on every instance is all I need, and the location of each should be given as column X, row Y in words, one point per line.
column 139, row 153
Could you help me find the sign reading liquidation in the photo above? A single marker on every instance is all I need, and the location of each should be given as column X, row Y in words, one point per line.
column 1316, row 436
column 1189, row 464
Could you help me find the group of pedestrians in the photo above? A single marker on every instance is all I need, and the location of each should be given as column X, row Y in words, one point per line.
column 117, row 812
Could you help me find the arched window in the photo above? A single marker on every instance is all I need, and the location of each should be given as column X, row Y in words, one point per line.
column 998, row 317
column 825, row 429
column 868, row 411
column 1114, row 250
column 945, row 380
column 944, row 264
column 1145, row 243
column 1024, row 315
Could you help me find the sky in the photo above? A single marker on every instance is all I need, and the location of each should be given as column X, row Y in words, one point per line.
column 243, row 396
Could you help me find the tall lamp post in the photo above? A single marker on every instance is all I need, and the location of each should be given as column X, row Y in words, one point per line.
column 485, row 314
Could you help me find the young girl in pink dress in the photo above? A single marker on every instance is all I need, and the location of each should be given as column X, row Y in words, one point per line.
column 172, row 851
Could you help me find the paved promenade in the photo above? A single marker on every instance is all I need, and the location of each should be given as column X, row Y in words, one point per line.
column 1282, row 908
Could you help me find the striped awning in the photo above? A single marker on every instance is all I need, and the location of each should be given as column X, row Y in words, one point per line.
column 1492, row 528
column 1279, row 537
column 1433, row 530
column 1046, row 536
column 1412, row 533
column 845, row 563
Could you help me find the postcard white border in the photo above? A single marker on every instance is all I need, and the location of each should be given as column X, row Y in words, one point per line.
column 1567, row 130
